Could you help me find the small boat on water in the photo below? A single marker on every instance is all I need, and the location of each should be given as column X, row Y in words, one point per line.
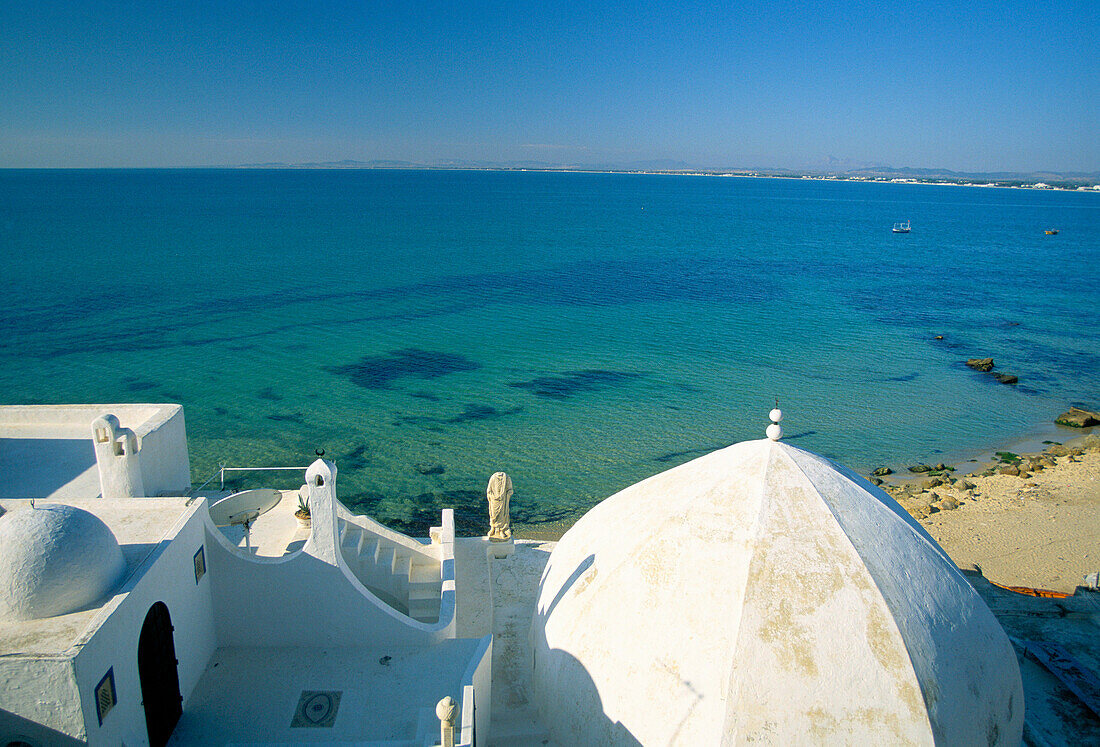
column 901, row 227
column 1051, row 232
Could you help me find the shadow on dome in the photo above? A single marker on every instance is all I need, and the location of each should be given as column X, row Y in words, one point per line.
column 134, row 554
column 592, row 727
column 570, row 682
column 579, row 571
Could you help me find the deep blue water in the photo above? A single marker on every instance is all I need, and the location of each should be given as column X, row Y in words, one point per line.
column 580, row 331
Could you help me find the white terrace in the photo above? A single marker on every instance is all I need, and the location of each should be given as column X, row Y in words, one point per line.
column 341, row 632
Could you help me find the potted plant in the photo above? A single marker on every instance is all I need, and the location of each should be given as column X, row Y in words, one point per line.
column 302, row 514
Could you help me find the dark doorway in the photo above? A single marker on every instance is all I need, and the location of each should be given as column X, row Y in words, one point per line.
column 160, row 682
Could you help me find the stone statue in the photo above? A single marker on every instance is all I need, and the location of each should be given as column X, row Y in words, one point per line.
column 499, row 492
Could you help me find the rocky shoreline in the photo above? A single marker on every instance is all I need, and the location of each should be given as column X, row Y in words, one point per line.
column 931, row 489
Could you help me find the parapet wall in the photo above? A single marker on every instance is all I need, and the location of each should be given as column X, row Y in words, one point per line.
column 73, row 421
column 151, row 460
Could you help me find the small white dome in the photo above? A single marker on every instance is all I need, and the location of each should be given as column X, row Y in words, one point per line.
column 764, row 594
column 55, row 559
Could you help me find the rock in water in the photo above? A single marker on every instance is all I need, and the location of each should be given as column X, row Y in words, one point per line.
column 981, row 364
column 882, row 472
column 918, row 468
column 1006, row 378
column 429, row 468
column 1075, row 417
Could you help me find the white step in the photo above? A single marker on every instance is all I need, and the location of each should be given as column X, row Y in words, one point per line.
column 424, row 573
column 402, row 564
column 424, row 610
column 383, row 556
column 367, row 551
column 421, row 592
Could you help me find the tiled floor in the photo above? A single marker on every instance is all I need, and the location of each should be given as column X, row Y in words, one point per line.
column 251, row 694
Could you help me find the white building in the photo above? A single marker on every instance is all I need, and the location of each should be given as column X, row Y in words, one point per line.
column 124, row 619
column 760, row 592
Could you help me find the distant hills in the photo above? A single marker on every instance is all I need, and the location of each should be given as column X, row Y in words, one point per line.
column 832, row 167
column 661, row 164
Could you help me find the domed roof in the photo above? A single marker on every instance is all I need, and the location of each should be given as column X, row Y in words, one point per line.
column 763, row 593
column 55, row 559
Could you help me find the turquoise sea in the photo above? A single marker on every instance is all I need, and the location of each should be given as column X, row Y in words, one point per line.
column 579, row 331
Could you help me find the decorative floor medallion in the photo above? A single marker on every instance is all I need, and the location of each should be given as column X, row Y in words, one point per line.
column 316, row 708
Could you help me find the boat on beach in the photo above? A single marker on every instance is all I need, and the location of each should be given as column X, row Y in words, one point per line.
column 902, row 227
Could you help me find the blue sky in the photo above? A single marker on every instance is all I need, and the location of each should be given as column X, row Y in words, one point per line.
column 967, row 86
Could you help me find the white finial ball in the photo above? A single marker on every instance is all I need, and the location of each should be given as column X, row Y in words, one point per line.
column 776, row 415
column 774, row 432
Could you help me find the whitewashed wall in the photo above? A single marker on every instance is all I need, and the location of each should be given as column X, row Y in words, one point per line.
column 39, row 702
column 165, row 467
column 312, row 593
column 160, row 431
column 168, row 576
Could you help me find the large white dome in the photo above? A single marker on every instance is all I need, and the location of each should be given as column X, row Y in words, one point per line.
column 55, row 559
column 763, row 593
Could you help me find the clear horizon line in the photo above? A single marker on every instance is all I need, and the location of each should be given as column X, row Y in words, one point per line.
column 399, row 165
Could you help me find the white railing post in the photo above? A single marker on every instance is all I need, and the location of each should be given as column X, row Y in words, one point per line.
column 445, row 710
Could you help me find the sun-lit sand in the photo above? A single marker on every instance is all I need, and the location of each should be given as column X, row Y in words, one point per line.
column 1040, row 531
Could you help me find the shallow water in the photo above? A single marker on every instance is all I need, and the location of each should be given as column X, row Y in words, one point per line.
column 579, row 331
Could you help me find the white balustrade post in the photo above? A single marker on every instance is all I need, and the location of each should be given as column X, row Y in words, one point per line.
column 445, row 710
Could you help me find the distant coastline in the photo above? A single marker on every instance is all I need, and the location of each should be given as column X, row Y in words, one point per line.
column 1059, row 182
column 1042, row 180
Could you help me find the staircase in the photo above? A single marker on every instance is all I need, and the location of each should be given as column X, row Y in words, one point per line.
column 404, row 577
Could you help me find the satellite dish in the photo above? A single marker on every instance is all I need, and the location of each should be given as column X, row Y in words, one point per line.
column 241, row 509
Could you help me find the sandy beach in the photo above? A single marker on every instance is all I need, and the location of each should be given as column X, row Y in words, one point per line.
column 1033, row 522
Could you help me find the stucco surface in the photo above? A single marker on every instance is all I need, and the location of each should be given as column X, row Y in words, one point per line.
column 39, row 696
column 761, row 594
column 52, row 468
column 55, row 559
column 47, row 451
column 138, row 524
